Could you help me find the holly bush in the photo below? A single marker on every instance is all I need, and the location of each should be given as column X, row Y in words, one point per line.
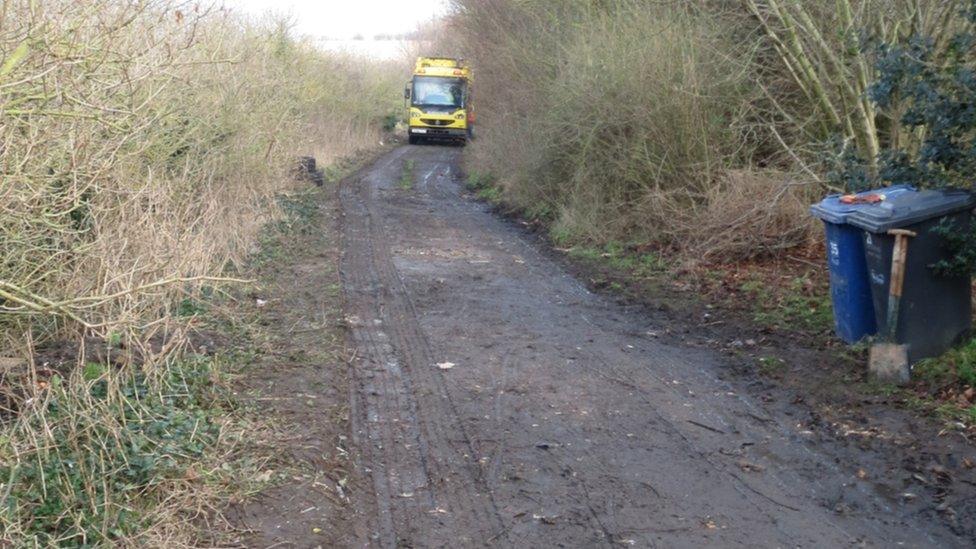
column 925, row 92
column 932, row 91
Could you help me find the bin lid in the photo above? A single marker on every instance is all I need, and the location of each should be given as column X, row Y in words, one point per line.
column 833, row 209
column 907, row 209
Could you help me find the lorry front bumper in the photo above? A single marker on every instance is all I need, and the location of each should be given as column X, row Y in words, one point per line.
column 448, row 133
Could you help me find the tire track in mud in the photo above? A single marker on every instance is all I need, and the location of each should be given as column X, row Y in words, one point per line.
column 597, row 525
column 361, row 289
column 649, row 388
column 433, row 181
column 562, row 424
column 428, row 484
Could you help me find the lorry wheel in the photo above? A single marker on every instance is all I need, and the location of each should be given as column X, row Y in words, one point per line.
column 413, row 139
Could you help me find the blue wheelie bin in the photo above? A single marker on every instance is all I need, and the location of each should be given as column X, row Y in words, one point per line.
column 850, row 285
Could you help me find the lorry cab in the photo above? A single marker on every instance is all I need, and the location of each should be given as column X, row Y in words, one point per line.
column 439, row 100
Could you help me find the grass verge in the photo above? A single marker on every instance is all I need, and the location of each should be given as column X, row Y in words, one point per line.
column 946, row 385
column 105, row 456
column 292, row 378
column 406, row 175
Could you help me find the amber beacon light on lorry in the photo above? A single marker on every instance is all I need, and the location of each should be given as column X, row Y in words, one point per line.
column 438, row 100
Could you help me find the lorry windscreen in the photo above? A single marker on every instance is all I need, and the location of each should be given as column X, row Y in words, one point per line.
column 438, row 91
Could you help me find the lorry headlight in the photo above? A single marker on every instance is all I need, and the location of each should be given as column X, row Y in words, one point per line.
column 459, row 116
column 414, row 114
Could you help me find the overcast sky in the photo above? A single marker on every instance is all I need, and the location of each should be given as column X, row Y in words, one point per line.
column 346, row 18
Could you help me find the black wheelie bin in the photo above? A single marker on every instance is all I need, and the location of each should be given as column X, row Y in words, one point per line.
column 936, row 308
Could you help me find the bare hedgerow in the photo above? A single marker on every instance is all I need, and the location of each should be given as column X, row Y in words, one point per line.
column 657, row 122
column 618, row 121
column 142, row 145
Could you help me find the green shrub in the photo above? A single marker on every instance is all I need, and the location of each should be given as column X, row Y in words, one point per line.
column 925, row 85
column 86, row 459
column 959, row 364
column 479, row 180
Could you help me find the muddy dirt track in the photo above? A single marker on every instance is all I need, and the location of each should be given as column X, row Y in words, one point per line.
column 497, row 402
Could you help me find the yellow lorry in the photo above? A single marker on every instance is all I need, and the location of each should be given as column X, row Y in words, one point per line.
column 439, row 97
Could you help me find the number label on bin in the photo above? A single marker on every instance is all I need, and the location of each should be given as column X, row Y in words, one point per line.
column 834, row 253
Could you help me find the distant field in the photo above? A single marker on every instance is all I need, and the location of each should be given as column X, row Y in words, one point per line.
column 376, row 49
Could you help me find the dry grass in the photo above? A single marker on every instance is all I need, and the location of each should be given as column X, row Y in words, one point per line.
column 143, row 144
column 142, row 148
column 627, row 125
column 749, row 214
column 678, row 125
